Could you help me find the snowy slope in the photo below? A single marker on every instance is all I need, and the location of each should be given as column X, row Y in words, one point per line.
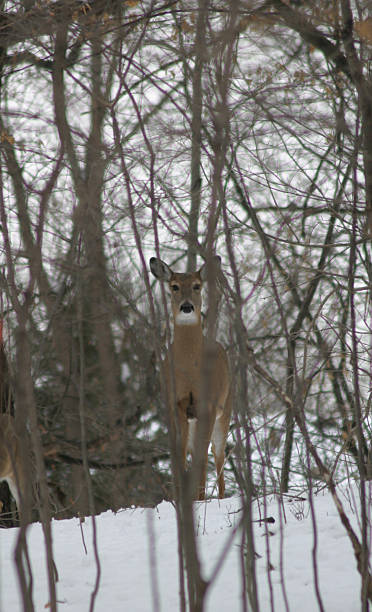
column 138, row 555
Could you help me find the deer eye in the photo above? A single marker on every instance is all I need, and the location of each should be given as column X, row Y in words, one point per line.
column 175, row 287
column 196, row 287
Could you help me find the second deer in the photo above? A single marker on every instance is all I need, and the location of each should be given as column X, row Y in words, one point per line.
column 10, row 461
column 202, row 407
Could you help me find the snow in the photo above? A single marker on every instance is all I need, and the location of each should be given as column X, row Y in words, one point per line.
column 138, row 555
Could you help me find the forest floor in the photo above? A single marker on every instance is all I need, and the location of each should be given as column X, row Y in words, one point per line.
column 138, row 557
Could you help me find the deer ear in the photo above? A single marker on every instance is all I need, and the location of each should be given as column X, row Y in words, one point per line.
column 160, row 269
column 213, row 264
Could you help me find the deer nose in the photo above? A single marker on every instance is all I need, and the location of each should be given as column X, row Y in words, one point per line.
column 186, row 307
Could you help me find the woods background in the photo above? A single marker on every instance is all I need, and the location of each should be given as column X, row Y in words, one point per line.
column 177, row 129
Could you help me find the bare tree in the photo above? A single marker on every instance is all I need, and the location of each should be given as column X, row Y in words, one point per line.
column 183, row 129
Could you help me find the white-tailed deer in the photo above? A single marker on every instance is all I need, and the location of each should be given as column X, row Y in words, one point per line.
column 202, row 407
column 10, row 464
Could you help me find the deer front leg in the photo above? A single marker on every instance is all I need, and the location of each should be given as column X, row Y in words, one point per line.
column 203, row 476
column 183, row 413
column 200, row 457
column 178, row 438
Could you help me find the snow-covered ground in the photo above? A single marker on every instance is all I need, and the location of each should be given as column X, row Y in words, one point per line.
column 138, row 556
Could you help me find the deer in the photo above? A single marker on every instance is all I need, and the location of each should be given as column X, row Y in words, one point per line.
column 202, row 408
column 10, row 460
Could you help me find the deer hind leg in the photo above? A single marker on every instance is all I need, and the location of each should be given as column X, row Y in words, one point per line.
column 219, row 436
column 14, row 490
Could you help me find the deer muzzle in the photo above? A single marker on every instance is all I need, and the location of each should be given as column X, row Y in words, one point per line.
column 187, row 307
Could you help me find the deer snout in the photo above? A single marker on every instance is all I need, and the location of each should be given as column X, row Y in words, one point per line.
column 187, row 307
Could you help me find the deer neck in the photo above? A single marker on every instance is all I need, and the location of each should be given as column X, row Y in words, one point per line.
column 188, row 339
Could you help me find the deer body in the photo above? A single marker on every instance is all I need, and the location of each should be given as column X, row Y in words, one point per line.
column 200, row 368
column 10, row 456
